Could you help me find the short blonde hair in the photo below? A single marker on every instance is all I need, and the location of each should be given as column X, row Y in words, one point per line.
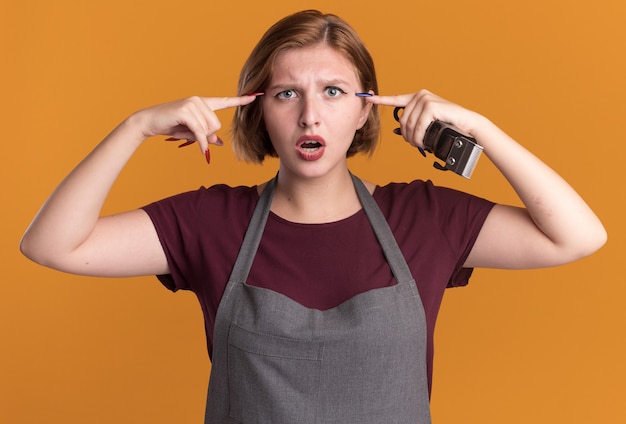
column 251, row 141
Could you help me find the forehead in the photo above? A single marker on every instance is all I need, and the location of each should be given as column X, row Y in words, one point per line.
column 321, row 61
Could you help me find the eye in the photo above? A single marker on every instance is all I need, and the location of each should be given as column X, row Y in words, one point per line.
column 286, row 94
column 334, row 91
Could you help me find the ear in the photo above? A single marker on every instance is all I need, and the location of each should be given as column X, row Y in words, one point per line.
column 365, row 112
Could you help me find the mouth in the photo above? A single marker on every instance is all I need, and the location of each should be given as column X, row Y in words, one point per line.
column 310, row 147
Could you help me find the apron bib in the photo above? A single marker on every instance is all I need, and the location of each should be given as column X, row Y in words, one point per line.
column 277, row 362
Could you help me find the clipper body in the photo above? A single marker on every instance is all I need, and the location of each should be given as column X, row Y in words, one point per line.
column 459, row 152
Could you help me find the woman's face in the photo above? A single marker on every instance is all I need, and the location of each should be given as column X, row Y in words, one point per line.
column 310, row 110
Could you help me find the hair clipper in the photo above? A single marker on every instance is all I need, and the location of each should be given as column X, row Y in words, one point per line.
column 459, row 152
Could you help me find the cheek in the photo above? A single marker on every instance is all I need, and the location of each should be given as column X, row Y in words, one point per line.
column 268, row 118
column 356, row 118
column 278, row 125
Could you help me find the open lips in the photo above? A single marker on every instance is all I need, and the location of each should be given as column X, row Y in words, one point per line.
column 310, row 147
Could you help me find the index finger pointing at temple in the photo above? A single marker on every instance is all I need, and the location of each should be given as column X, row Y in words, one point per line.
column 400, row 100
column 219, row 103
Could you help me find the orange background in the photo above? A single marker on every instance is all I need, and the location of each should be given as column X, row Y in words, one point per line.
column 540, row 346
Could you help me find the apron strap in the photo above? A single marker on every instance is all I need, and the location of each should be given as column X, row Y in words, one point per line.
column 252, row 239
column 385, row 237
column 395, row 258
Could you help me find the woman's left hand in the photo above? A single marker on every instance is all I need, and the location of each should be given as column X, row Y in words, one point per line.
column 555, row 227
column 424, row 107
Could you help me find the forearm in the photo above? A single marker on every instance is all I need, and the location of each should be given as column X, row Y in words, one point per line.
column 70, row 214
column 555, row 226
column 68, row 233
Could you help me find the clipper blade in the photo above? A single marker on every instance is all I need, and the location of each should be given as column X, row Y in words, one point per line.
column 472, row 159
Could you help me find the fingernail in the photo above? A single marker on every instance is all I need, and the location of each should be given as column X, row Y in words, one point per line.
column 219, row 142
column 172, row 139
column 207, row 155
column 186, row 143
column 363, row 94
column 422, row 151
column 397, row 131
column 254, row 94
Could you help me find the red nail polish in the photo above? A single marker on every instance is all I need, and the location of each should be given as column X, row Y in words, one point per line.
column 207, row 155
column 172, row 139
column 187, row 143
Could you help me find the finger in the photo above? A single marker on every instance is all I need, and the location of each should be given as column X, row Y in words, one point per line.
column 219, row 103
column 213, row 104
column 411, row 122
column 400, row 100
column 203, row 123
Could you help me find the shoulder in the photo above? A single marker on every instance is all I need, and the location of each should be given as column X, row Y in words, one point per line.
column 416, row 188
column 205, row 203
column 395, row 189
column 212, row 220
column 435, row 226
column 426, row 204
column 422, row 194
column 219, row 194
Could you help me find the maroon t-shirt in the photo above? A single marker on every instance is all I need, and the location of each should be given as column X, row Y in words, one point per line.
column 319, row 265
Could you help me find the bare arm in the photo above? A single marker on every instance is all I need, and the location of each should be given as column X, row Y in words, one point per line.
column 555, row 226
column 69, row 234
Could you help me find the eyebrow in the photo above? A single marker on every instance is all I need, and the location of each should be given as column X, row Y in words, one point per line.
column 324, row 83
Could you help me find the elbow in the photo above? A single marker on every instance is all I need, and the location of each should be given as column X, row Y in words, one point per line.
column 28, row 249
column 599, row 239
column 35, row 251
column 590, row 243
column 24, row 247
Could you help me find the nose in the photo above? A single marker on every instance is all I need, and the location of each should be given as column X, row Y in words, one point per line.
column 309, row 115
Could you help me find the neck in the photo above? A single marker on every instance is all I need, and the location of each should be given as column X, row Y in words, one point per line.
column 315, row 200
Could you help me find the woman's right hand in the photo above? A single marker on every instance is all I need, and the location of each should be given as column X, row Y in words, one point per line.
column 191, row 119
column 70, row 235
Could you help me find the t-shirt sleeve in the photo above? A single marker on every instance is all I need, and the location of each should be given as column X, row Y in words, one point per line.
column 198, row 228
column 437, row 226
column 176, row 219
column 462, row 218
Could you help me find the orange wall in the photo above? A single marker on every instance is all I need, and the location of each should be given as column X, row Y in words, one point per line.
column 539, row 346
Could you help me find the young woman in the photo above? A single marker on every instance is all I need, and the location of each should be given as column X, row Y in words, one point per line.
column 319, row 291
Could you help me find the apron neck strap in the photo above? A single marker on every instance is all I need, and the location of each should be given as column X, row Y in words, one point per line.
column 385, row 237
